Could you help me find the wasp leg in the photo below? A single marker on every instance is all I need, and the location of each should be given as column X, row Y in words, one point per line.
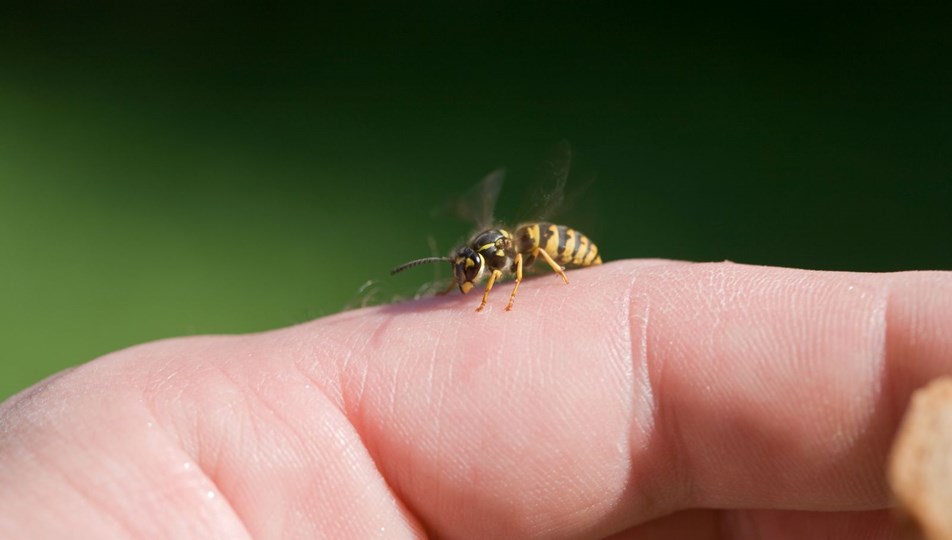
column 489, row 286
column 555, row 266
column 448, row 289
column 512, row 296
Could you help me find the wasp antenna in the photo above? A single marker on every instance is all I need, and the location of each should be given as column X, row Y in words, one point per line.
column 418, row 262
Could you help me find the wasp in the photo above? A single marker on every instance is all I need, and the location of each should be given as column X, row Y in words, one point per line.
column 495, row 252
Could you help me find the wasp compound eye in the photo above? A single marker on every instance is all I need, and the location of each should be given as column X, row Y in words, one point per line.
column 467, row 266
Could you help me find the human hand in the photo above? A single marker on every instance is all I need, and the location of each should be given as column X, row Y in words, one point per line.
column 647, row 399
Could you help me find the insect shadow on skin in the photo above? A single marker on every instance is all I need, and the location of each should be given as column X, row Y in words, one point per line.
column 494, row 252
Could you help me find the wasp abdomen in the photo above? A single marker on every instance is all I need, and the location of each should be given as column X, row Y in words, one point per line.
column 565, row 245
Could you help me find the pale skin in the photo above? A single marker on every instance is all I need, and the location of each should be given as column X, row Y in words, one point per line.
column 647, row 399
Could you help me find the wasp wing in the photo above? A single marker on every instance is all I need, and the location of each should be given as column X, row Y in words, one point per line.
column 553, row 174
column 476, row 206
column 549, row 197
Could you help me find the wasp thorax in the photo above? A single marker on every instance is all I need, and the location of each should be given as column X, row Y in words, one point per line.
column 467, row 268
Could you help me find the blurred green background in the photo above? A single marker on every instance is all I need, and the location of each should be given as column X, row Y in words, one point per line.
column 191, row 168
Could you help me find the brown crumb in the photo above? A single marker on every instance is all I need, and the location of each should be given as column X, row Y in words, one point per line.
column 920, row 468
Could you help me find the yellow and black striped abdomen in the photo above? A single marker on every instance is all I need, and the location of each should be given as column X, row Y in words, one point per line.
column 565, row 245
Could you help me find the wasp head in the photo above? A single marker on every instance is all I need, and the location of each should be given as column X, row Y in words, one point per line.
column 467, row 268
column 466, row 262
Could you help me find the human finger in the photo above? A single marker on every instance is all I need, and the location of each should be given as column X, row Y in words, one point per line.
column 638, row 390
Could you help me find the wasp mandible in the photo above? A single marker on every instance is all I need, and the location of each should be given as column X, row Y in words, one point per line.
column 494, row 252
